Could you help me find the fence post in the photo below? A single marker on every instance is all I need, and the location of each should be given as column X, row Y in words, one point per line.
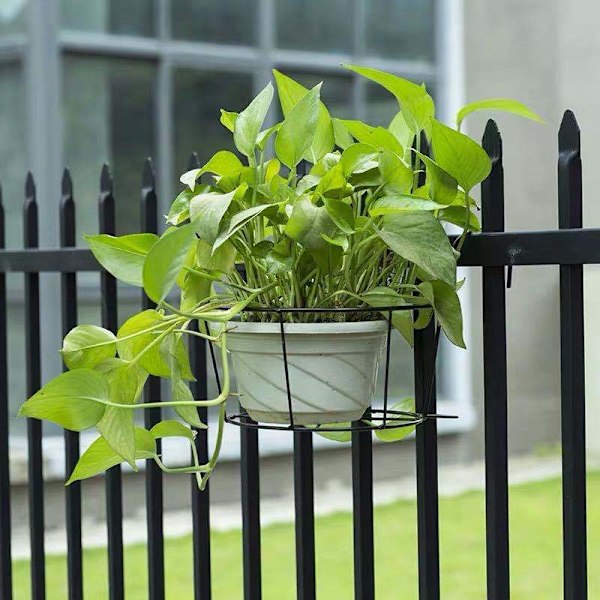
column 495, row 387
column 69, row 320
column 572, row 369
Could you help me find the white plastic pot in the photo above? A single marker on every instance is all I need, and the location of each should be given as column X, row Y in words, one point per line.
column 332, row 369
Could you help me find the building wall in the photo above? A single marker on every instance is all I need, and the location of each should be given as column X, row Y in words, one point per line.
column 544, row 53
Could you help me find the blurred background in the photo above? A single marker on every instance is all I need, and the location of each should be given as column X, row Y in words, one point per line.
column 87, row 82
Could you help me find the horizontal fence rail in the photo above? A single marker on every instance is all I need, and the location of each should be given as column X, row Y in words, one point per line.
column 570, row 247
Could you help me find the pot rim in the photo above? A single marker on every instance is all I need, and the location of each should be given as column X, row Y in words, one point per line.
column 351, row 327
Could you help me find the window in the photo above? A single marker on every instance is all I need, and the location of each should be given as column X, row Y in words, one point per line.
column 123, row 96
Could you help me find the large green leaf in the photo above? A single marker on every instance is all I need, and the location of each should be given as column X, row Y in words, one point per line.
column 308, row 222
column 459, row 155
column 223, row 163
column 180, row 208
column 401, row 131
column 420, row 238
column 117, row 424
column 442, row 187
column 290, row 93
column 152, row 360
column 171, row 429
column 238, row 221
column 179, row 388
column 72, row 400
column 122, row 256
column 377, row 137
column 416, row 104
column 396, row 177
column 358, row 158
column 297, row 133
column 100, row 457
column 399, row 203
column 208, row 210
column 341, row 214
column 87, row 346
column 501, row 104
column 399, row 433
column 248, row 123
column 457, row 215
column 164, row 261
column 446, row 305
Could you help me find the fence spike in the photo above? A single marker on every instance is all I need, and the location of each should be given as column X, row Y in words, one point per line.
column 194, row 161
column 30, row 186
column 106, row 181
column 492, row 141
column 569, row 133
column 148, row 177
column 66, row 183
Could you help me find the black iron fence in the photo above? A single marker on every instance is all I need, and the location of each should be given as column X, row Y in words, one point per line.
column 494, row 250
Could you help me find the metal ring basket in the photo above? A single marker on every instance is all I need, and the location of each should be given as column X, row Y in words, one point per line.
column 373, row 419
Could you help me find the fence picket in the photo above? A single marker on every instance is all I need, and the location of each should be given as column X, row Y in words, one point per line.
column 427, row 466
column 69, row 320
column 200, row 499
column 5, row 512
column 154, row 478
column 114, row 484
column 572, row 369
column 34, row 376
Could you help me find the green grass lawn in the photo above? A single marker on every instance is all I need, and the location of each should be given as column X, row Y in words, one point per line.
column 536, row 561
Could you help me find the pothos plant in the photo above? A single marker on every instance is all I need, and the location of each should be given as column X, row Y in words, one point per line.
column 319, row 212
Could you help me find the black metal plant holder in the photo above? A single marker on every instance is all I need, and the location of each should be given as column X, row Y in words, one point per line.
column 373, row 419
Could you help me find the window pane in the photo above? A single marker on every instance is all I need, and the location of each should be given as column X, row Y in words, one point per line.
column 108, row 115
column 314, row 25
column 401, row 29
column 125, row 17
column 198, row 97
column 336, row 91
column 224, row 21
column 13, row 16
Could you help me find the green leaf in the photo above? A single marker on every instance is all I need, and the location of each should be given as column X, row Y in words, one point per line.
column 171, row 429
column 341, row 214
column 415, row 103
column 459, row 155
column 228, row 119
column 401, row 131
column 308, row 222
column 207, row 211
column 501, row 104
column 377, row 137
column 397, row 178
column 446, row 306
column 420, row 238
column 164, row 261
column 72, row 400
column 117, row 426
column 249, row 122
column 222, row 259
column 441, row 185
column 264, row 136
column 400, row 433
column 290, row 93
column 358, row 158
column 100, row 457
column 341, row 135
column 238, row 221
column 456, row 215
column 87, row 346
column 334, row 436
column 122, row 256
column 393, row 204
column 180, row 209
column 152, row 360
column 401, row 319
column 277, row 258
column 297, row 133
column 180, row 392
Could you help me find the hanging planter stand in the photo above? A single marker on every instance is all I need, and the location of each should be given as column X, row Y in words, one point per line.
column 372, row 419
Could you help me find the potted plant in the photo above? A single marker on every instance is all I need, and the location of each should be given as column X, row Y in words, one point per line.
column 338, row 215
